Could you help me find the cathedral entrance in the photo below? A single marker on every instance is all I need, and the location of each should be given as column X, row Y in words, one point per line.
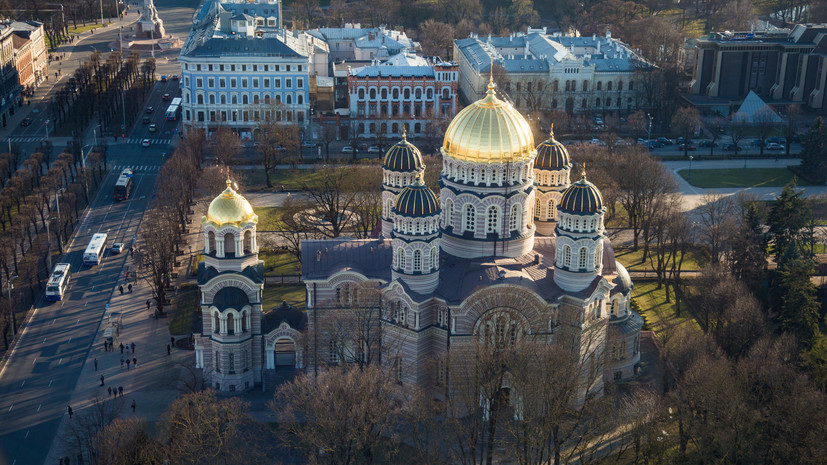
column 285, row 353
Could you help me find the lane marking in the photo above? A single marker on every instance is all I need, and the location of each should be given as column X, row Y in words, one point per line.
column 34, row 361
column 38, row 407
column 60, row 362
column 27, row 433
column 44, row 340
column 53, row 321
column 24, row 382
column 50, row 382
column 12, row 406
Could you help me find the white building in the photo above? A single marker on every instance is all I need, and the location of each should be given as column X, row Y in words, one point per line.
column 548, row 72
column 354, row 43
column 238, row 67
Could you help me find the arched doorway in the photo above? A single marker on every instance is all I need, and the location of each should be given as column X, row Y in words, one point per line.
column 285, row 353
column 570, row 105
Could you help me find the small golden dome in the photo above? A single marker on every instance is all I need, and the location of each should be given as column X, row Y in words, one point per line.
column 582, row 198
column 403, row 156
column 489, row 131
column 416, row 200
column 552, row 155
column 230, row 207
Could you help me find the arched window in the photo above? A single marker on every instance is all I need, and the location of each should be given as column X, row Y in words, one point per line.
column 200, row 99
column 597, row 102
column 470, row 218
column 244, row 321
column 255, row 99
column 449, row 213
column 596, row 257
column 620, row 85
column 434, row 258
column 248, row 242
column 429, row 94
column 599, row 85
column 361, row 94
column 217, row 361
column 216, row 323
column 384, row 93
column 566, row 256
column 230, row 324
column 211, row 242
column 212, row 99
column 223, row 99
column 418, row 93
column 267, row 99
column 400, row 259
column 537, row 208
column 493, row 220
column 245, row 99
column 231, row 358
column 608, row 102
column 229, row 245
column 552, row 210
column 613, row 310
column 373, row 94
column 417, row 260
column 289, row 99
column 584, row 252
column 609, row 85
column 406, row 93
column 516, row 218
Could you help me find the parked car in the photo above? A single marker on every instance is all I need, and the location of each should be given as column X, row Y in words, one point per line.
column 347, row 149
column 776, row 140
column 146, row 120
column 707, row 144
column 374, row 149
column 655, row 145
column 680, row 140
column 666, row 141
column 774, row 147
column 732, row 147
column 145, row 143
column 26, row 122
column 598, row 121
column 166, row 97
column 163, row 78
column 149, row 110
column 153, row 127
column 117, row 247
column 174, row 77
column 689, row 147
column 309, row 144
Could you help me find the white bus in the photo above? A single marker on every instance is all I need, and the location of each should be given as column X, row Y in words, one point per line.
column 58, row 282
column 94, row 251
column 174, row 109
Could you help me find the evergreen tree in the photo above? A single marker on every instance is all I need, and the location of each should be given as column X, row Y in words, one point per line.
column 814, row 148
column 749, row 249
column 786, row 220
column 799, row 309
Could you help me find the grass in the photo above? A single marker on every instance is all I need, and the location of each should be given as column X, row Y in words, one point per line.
column 279, row 262
column 739, row 177
column 269, row 218
column 656, row 311
column 82, row 29
column 273, row 296
column 183, row 310
column 290, row 179
column 633, row 259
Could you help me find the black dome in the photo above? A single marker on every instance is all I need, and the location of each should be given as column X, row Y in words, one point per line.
column 581, row 198
column 416, row 200
column 403, row 156
column 552, row 155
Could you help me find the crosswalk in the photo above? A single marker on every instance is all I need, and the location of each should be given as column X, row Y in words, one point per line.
column 136, row 169
column 137, row 140
column 25, row 140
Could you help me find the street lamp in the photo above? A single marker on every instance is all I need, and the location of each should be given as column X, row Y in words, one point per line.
column 649, row 136
column 10, row 286
column 49, row 239
column 95, row 133
column 83, row 164
column 689, row 178
column 59, row 222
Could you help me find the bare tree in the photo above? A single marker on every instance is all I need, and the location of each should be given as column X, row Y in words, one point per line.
column 278, row 142
column 717, row 221
column 226, row 146
column 331, row 199
column 81, row 436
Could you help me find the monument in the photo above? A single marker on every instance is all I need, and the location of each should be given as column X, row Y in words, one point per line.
column 149, row 35
column 150, row 26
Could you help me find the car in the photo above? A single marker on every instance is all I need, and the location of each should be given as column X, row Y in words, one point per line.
column 756, row 143
column 732, row 147
column 153, row 127
column 666, row 141
column 680, row 140
column 347, row 149
column 117, row 247
column 362, row 146
column 774, row 146
column 163, row 78
column 145, row 143
column 146, row 120
column 622, row 142
column 26, row 122
column 598, row 121
column 689, row 147
column 174, row 77
column 655, row 145
column 309, row 144
column 776, row 140
column 374, row 149
column 149, row 110
column 707, row 143
column 166, row 97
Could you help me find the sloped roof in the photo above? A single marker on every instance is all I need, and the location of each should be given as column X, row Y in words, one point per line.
column 754, row 108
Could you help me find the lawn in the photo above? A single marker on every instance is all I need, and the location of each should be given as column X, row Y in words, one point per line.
column 273, row 296
column 633, row 259
column 739, row 177
column 82, row 29
column 278, row 262
column 290, row 179
column 659, row 314
column 182, row 310
column 269, row 218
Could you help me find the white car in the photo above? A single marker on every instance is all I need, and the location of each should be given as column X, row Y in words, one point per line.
column 347, row 149
column 117, row 247
column 153, row 127
column 145, row 143
column 374, row 149
column 309, row 144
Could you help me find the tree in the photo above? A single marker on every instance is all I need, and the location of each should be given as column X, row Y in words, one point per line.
column 790, row 127
column 331, row 199
column 226, row 146
column 347, row 430
column 786, row 220
column 685, row 121
column 437, row 38
column 749, row 248
column 717, row 215
column 278, row 142
column 305, row 13
column 82, row 434
column 657, row 38
column 814, row 150
column 126, row 442
column 157, row 236
column 367, row 202
column 799, row 312
column 765, row 121
column 522, row 13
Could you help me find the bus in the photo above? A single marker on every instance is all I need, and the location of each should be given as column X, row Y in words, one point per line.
column 123, row 187
column 58, row 282
column 174, row 110
column 94, row 251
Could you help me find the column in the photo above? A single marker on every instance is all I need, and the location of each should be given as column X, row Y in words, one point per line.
column 271, row 358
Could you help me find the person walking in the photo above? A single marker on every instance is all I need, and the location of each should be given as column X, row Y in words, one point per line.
column 110, row 390
column 127, row 364
column 69, row 411
column 172, row 341
column 129, row 286
column 121, row 362
column 101, row 380
column 120, row 390
column 96, row 364
column 133, row 405
column 120, row 289
column 133, row 348
column 169, row 350
column 121, row 347
column 135, row 362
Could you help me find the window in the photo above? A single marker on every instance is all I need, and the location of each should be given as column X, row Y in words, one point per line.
column 470, row 218
column 609, row 85
column 403, row 315
column 599, row 85
column 244, row 83
column 449, row 213
column 277, row 83
column 216, row 323
column 585, row 85
column 434, row 258
column 210, row 81
column 537, row 208
column 584, row 252
column 596, row 257
column 233, row 82
column 552, row 210
column 493, row 220
column 288, row 83
column 199, row 82
column 417, row 259
column 333, row 352
column 231, row 362
column 516, row 218
column 566, row 256
column 217, row 361
column 255, row 83
column 222, row 83
column 266, row 83
column 401, row 259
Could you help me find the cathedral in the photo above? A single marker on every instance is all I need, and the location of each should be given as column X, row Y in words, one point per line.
column 511, row 247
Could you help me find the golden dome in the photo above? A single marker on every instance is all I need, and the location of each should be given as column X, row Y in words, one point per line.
column 552, row 155
column 581, row 198
column 489, row 131
column 416, row 200
column 230, row 207
column 403, row 156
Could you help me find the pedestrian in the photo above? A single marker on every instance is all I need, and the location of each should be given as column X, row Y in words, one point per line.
column 127, row 350
column 69, row 411
column 130, row 288
column 172, row 341
column 127, row 364
column 133, row 405
column 120, row 390
column 110, row 390
column 147, row 304
column 169, row 350
column 135, row 361
column 121, row 362
column 133, row 348
column 101, row 380
column 96, row 364
column 121, row 347
column 120, row 289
